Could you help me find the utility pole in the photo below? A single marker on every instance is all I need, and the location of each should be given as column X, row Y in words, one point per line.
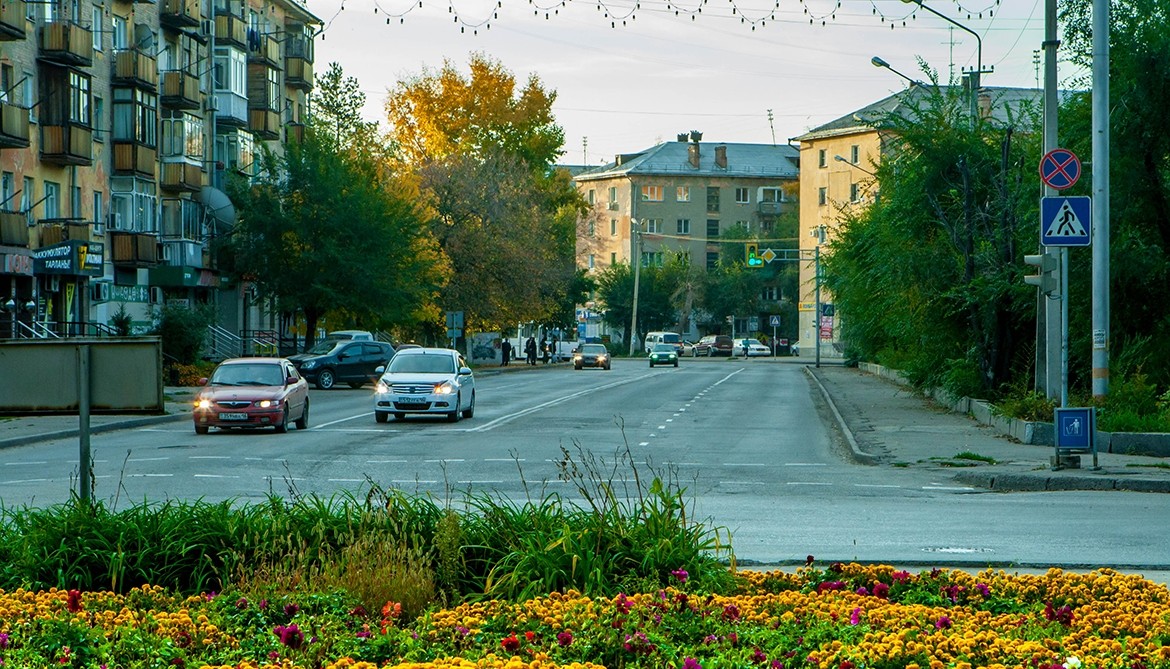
column 773, row 127
column 585, row 150
column 1100, row 197
column 1048, row 315
column 636, row 257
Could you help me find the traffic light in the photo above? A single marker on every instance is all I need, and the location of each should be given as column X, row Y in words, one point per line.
column 752, row 255
column 1047, row 280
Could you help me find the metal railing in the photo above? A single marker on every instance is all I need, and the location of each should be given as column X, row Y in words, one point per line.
column 222, row 344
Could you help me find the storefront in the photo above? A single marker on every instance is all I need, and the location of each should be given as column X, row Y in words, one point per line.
column 16, row 291
column 62, row 273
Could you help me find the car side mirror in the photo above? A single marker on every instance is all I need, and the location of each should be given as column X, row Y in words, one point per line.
column 464, row 371
column 342, row 356
column 380, row 369
column 203, row 381
column 290, row 380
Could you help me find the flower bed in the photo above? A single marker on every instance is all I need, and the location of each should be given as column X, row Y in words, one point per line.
column 843, row 617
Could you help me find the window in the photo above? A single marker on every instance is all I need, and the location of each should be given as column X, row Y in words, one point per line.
column 237, row 151
column 855, row 154
column 742, row 196
column 592, row 229
column 99, row 119
column 231, row 70
column 97, row 28
column 27, row 96
column 613, row 227
column 822, row 196
column 766, row 227
column 613, row 193
column 120, row 33
column 79, row 98
column 7, row 191
column 822, row 159
column 712, row 259
column 683, row 226
column 75, row 203
column 98, row 207
column 182, row 136
column 769, row 294
column 591, row 261
column 52, row 200
column 592, row 194
column 712, row 228
column 712, row 198
column 136, row 203
column 654, row 226
column 653, row 258
column 854, row 193
column 5, row 81
column 26, row 199
column 771, row 195
column 135, row 116
column 682, row 194
column 613, row 259
column 652, row 193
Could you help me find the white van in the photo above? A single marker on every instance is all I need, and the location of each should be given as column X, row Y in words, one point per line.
column 672, row 338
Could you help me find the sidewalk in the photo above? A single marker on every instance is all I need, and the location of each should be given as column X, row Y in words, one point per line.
column 887, row 424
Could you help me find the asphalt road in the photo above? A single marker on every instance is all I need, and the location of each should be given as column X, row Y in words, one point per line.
column 750, row 441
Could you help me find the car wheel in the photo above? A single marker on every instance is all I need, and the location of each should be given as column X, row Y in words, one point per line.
column 356, row 384
column 470, row 411
column 710, row 353
column 607, row 365
column 454, row 416
column 282, row 426
column 381, row 416
column 676, row 363
column 303, row 421
column 576, row 366
column 201, row 429
column 651, row 365
column 325, row 379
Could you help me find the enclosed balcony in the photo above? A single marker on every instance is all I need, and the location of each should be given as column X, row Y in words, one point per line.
column 180, row 90
column 133, row 158
column 14, row 132
column 13, row 229
column 231, row 29
column 296, row 132
column 67, row 144
column 133, row 249
column 181, row 176
column 298, row 63
column 231, row 109
column 264, row 123
column 12, row 20
column 66, row 43
column 56, row 230
column 265, row 50
column 135, row 68
column 770, row 208
column 180, row 13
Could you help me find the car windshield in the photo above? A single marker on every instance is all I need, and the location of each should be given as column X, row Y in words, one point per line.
column 671, row 338
column 665, row 348
column 325, row 346
column 248, row 374
column 426, row 363
column 593, row 349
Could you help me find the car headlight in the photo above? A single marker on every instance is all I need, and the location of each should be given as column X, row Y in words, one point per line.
column 444, row 388
column 202, row 403
column 308, row 364
column 264, row 404
column 381, row 388
column 601, row 358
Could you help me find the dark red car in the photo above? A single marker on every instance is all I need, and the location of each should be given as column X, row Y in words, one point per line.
column 712, row 345
column 252, row 393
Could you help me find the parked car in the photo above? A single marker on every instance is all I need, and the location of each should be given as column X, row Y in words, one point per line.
column 663, row 354
column 753, row 346
column 252, row 393
column 688, row 348
column 591, row 355
column 712, row 345
column 354, row 335
column 425, row 381
column 333, row 361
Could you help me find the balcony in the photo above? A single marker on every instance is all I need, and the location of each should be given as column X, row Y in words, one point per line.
column 66, row 43
column 770, row 208
column 264, row 50
column 298, row 73
column 132, row 158
column 56, row 230
column 67, row 145
column 13, row 229
column 14, row 132
column 180, row 90
column 181, row 177
column 231, row 30
column 133, row 249
column 11, row 20
column 265, row 123
column 180, row 13
column 136, row 68
column 296, row 132
column 231, row 109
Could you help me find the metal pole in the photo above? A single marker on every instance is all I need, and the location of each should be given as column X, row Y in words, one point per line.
column 85, row 458
column 1100, row 199
column 817, row 314
column 1063, row 326
column 636, row 252
column 1048, row 318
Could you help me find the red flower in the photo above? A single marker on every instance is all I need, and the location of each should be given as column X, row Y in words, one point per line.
column 74, row 601
column 529, row 636
column 510, row 643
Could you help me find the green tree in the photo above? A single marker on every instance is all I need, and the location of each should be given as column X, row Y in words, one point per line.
column 615, row 291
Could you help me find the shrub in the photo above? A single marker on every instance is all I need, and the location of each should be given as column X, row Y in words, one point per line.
column 189, row 375
column 183, row 330
column 121, row 321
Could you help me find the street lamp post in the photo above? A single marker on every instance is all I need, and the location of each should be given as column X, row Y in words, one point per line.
column 973, row 76
column 880, row 62
column 841, row 159
column 636, row 253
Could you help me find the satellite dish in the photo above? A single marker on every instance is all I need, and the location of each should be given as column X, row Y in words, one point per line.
column 220, row 210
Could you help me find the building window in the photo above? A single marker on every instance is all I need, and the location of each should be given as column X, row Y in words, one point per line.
column 75, row 203
column 712, row 259
column 231, row 71
column 854, row 193
column 612, row 259
column 79, row 98
column 5, row 80
column 97, row 28
column 769, row 294
column 613, row 193
column 742, row 196
column 7, row 191
column 682, row 194
column 592, row 229
column 712, row 198
column 822, row 160
column 652, row 194
column 98, row 207
column 613, row 227
column 771, row 195
column 766, row 227
column 182, row 136
column 746, row 225
column 99, row 119
column 120, row 33
column 855, row 154
column 26, row 199
column 653, row 258
column 712, row 228
column 591, row 261
column 822, row 196
column 654, row 226
column 135, row 116
column 27, row 96
column 683, row 226
column 52, row 200
column 592, row 194
column 136, row 203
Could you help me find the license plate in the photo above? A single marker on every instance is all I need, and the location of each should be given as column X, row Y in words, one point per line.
column 412, row 400
column 233, row 416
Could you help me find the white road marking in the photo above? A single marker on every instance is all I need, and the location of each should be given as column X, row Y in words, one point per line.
column 661, row 427
column 744, row 464
column 17, row 481
column 210, row 457
column 875, row 485
column 741, row 483
column 19, row 464
column 474, row 482
column 804, row 464
column 446, row 460
column 411, row 481
column 505, row 460
column 944, row 487
column 344, row 480
column 384, row 462
column 643, row 443
column 342, row 420
column 492, row 424
column 146, row 459
column 216, row 476
column 807, row 483
column 150, row 476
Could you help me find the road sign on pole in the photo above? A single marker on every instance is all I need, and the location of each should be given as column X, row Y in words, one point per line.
column 1066, row 221
column 1060, row 168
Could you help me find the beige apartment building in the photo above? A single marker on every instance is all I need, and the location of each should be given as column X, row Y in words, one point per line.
column 119, row 122
column 681, row 196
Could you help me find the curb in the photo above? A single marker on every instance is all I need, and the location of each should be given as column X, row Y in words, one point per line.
column 1042, row 483
column 858, row 454
column 112, row 426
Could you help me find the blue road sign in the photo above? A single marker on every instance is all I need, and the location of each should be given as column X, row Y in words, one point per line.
column 1060, row 168
column 774, row 320
column 1075, row 428
column 1065, row 221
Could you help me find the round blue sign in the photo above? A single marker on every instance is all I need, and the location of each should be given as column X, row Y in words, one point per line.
column 1060, row 169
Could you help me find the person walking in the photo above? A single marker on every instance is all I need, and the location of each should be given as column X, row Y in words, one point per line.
column 505, row 352
column 530, row 350
column 544, row 353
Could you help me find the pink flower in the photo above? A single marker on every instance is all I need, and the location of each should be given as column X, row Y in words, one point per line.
column 855, row 617
column 680, row 574
column 881, row 590
column 564, row 638
column 943, row 623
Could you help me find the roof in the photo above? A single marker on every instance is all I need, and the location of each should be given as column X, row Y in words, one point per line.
column 1002, row 99
column 766, row 161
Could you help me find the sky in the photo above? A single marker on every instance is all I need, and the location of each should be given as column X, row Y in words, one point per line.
column 629, row 74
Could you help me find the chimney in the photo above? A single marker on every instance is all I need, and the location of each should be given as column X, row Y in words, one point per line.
column 617, row 160
column 682, row 136
column 984, row 104
column 693, row 154
column 721, row 156
column 696, row 136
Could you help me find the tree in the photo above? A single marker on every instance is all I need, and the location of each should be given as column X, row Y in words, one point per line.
column 337, row 112
column 483, row 155
column 615, row 291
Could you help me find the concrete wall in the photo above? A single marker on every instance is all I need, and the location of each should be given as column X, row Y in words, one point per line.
column 41, row 376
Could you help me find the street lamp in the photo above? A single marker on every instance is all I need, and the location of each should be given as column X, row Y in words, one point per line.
column 10, row 306
column 880, row 62
column 841, row 159
column 972, row 75
column 636, row 252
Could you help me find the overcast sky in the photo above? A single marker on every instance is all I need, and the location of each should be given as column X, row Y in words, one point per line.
column 626, row 88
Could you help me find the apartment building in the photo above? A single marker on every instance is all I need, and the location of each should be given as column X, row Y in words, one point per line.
column 119, row 123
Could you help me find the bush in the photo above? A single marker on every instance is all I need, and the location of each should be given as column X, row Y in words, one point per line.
column 189, row 375
column 121, row 321
column 183, row 331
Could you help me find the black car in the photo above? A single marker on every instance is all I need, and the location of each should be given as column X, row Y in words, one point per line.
column 591, row 355
column 334, row 361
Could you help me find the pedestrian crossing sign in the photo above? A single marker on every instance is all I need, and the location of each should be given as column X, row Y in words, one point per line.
column 1065, row 221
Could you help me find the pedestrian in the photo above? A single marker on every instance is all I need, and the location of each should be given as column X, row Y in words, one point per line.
column 745, row 348
column 544, row 349
column 530, row 350
column 505, row 352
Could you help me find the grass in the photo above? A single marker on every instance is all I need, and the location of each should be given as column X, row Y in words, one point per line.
column 968, row 455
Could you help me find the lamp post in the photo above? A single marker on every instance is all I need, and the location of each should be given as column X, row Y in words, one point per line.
column 841, row 159
column 10, row 306
column 880, row 62
column 973, row 76
column 636, row 253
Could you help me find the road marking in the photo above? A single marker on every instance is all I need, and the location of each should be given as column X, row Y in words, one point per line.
column 744, row 464
column 344, row 480
column 384, row 462
column 661, row 427
column 18, row 464
column 944, row 487
column 741, row 483
column 492, row 424
column 209, row 457
column 473, row 482
column 807, row 483
column 216, row 476
column 16, row 481
column 146, row 459
column 358, row 430
column 804, row 464
column 446, row 460
column 411, row 481
column 875, row 485
column 342, row 420
column 643, row 443
column 505, row 460
column 151, row 476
